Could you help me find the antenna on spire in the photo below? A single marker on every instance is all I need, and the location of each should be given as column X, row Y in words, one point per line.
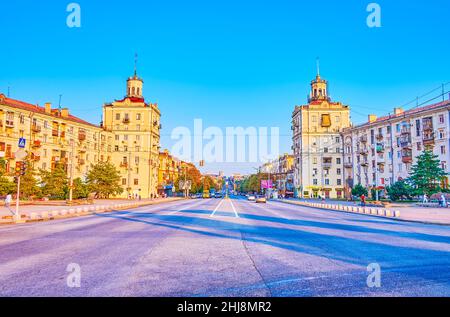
column 59, row 105
column 135, row 64
column 318, row 66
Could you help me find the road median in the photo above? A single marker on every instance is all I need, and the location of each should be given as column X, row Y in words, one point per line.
column 84, row 211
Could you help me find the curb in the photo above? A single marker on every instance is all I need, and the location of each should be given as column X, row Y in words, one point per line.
column 376, row 212
column 84, row 211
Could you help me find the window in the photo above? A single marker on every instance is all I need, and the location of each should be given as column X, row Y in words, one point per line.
column 338, row 140
column 117, row 137
column 418, row 127
column 117, row 116
column 338, row 150
column 419, row 146
column 338, row 160
column 389, row 129
column 138, row 116
column 116, row 148
column 315, row 160
column 441, row 134
column 138, row 127
column 125, row 137
column 315, row 182
column 325, row 150
column 337, row 119
column 136, row 181
column 124, row 181
column 138, row 137
column 136, row 160
column 338, row 171
column 397, row 127
column 441, row 119
column 339, row 182
column 442, row 149
column 314, row 119
column 327, row 181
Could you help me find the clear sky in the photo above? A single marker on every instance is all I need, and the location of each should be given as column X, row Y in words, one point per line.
column 231, row 63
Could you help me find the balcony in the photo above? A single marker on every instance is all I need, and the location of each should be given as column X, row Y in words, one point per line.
column 82, row 136
column 126, row 120
column 124, row 165
column 81, row 161
column 327, row 164
column 405, row 130
column 363, row 151
column 428, row 138
column 363, row 139
column 406, row 142
column 55, row 132
column 380, row 148
column 9, row 123
column 36, row 144
column 62, row 134
column 379, row 136
column 36, row 128
column 407, row 156
column 35, row 157
column 428, row 124
column 348, row 165
column 381, row 161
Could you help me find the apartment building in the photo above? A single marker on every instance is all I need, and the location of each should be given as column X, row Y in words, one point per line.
column 382, row 151
column 129, row 137
column 317, row 144
column 281, row 172
column 135, row 127
column 53, row 136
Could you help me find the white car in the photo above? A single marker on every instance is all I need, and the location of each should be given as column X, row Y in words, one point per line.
column 251, row 198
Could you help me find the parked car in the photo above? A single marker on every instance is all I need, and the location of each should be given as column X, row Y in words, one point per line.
column 218, row 195
column 251, row 198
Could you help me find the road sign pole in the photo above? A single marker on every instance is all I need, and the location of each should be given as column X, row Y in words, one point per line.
column 17, row 215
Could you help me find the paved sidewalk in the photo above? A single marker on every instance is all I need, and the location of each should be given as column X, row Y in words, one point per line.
column 410, row 212
column 28, row 209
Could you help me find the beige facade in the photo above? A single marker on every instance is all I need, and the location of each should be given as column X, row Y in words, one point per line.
column 129, row 137
column 382, row 151
column 135, row 131
column 53, row 136
column 317, row 145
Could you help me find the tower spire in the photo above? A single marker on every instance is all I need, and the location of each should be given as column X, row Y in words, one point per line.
column 135, row 64
column 318, row 66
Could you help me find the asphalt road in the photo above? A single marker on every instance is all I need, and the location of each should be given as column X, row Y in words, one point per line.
column 224, row 248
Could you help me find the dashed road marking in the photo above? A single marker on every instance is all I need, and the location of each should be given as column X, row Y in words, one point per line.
column 217, row 207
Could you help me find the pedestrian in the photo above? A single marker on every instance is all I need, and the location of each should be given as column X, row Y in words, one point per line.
column 443, row 201
column 363, row 200
column 425, row 198
column 8, row 200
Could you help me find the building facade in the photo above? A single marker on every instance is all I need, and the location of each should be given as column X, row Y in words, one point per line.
column 281, row 172
column 317, row 145
column 382, row 151
column 53, row 137
column 135, row 127
column 129, row 137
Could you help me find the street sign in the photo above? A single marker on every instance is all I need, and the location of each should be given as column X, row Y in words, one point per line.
column 22, row 143
column 20, row 154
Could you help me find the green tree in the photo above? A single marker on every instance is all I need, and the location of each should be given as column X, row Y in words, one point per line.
column 29, row 185
column 6, row 186
column 80, row 189
column 359, row 190
column 2, row 166
column 427, row 174
column 103, row 179
column 54, row 183
column 400, row 190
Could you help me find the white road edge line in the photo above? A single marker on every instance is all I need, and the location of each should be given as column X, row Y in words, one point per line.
column 234, row 209
column 218, row 206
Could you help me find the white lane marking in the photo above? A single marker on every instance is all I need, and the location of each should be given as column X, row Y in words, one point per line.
column 218, row 206
column 234, row 209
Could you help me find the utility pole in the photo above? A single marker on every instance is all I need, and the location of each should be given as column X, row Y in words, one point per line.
column 71, row 173
column 17, row 215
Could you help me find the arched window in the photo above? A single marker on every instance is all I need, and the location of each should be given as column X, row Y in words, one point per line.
column 133, row 91
column 138, row 91
column 129, row 91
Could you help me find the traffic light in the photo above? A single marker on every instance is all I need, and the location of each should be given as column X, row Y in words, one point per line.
column 21, row 168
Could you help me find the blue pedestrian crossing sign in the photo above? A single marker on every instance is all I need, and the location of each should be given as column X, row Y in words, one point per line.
column 22, row 143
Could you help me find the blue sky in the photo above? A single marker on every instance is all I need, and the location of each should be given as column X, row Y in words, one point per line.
column 231, row 63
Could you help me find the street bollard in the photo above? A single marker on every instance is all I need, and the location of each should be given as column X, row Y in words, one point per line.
column 397, row 214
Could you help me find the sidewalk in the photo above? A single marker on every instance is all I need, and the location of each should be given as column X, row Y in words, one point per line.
column 36, row 212
column 409, row 212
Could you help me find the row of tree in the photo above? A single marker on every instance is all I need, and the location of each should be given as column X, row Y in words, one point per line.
column 426, row 177
column 102, row 180
column 199, row 182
